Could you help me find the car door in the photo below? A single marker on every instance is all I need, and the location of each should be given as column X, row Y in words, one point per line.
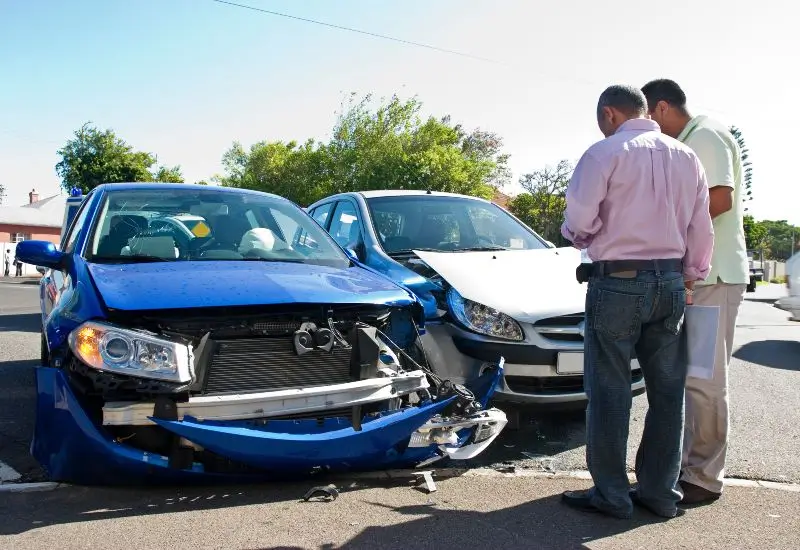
column 56, row 280
column 322, row 213
column 346, row 227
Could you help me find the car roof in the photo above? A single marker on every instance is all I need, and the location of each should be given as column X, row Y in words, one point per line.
column 150, row 185
column 413, row 193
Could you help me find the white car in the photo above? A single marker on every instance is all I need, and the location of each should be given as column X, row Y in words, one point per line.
column 791, row 303
column 490, row 285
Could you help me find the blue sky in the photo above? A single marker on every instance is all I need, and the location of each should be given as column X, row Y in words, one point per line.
column 185, row 78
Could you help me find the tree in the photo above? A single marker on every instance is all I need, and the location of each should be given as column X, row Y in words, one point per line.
column 755, row 233
column 543, row 203
column 390, row 147
column 747, row 166
column 96, row 156
column 168, row 175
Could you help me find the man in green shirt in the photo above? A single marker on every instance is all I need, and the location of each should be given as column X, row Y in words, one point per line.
column 705, row 441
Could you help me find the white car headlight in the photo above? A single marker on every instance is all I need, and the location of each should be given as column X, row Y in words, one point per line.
column 481, row 318
column 123, row 351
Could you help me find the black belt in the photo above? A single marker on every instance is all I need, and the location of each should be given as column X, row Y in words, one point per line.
column 603, row 268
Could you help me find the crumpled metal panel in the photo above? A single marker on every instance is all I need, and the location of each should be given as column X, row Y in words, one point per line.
column 336, row 449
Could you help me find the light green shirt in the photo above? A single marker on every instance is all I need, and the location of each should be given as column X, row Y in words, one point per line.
column 722, row 160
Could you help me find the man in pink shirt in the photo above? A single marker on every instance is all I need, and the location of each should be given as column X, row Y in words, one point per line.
column 638, row 202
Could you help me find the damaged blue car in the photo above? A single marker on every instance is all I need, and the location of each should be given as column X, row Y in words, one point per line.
column 200, row 333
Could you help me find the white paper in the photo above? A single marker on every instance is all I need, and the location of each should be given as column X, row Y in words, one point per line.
column 700, row 327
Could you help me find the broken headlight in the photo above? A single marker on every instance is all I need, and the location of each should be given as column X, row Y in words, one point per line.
column 122, row 351
column 481, row 318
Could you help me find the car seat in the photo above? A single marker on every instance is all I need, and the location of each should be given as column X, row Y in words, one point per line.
column 122, row 228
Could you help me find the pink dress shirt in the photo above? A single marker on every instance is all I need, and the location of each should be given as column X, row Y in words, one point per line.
column 641, row 195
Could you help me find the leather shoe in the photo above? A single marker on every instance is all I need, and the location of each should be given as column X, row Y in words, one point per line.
column 639, row 502
column 694, row 494
column 582, row 500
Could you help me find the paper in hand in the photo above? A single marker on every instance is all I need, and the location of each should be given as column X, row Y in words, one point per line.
column 700, row 327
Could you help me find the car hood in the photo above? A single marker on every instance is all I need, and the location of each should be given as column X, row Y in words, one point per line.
column 527, row 284
column 178, row 285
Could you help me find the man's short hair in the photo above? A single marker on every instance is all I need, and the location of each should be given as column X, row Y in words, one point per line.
column 664, row 89
column 628, row 100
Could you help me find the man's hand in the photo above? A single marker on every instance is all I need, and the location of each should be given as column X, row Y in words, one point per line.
column 689, row 285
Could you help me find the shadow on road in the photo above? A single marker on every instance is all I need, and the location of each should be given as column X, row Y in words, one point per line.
column 540, row 523
column 776, row 354
column 21, row 322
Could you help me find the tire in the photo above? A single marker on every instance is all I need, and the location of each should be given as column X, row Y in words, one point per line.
column 44, row 353
column 751, row 286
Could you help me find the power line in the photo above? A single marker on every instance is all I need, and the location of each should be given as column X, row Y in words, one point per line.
column 574, row 78
column 359, row 31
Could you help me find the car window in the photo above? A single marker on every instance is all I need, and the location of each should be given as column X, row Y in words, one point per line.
column 320, row 213
column 345, row 227
column 75, row 228
column 444, row 223
column 188, row 225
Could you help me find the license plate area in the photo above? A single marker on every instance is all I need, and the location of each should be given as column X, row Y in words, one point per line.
column 569, row 363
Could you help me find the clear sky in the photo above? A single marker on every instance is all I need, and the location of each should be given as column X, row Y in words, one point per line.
column 185, row 78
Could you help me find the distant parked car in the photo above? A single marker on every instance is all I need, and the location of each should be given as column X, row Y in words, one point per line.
column 490, row 285
column 791, row 303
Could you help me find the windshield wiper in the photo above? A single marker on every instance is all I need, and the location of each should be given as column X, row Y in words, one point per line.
column 132, row 259
column 285, row 260
column 480, row 249
column 411, row 250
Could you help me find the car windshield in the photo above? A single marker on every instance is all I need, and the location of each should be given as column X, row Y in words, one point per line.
column 447, row 224
column 140, row 225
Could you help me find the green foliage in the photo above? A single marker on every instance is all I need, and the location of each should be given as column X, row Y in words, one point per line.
column 168, row 175
column 755, row 233
column 390, row 147
column 747, row 166
column 543, row 203
column 96, row 156
column 781, row 239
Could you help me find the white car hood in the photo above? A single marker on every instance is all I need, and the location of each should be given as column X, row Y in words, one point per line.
column 528, row 285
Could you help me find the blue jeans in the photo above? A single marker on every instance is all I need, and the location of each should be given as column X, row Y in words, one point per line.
column 642, row 313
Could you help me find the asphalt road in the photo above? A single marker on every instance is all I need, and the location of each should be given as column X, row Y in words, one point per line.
column 764, row 388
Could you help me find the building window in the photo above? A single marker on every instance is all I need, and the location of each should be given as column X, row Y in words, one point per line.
column 19, row 237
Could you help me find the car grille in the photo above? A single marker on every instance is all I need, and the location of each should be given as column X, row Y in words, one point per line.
column 266, row 364
column 554, row 385
column 566, row 328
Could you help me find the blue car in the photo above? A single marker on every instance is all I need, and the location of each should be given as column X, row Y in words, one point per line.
column 195, row 333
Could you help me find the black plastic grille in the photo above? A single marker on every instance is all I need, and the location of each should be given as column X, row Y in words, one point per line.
column 265, row 364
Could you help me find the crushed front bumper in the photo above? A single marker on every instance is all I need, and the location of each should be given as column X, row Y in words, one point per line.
column 74, row 447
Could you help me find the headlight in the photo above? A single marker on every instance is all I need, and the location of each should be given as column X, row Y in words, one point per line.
column 481, row 318
column 109, row 348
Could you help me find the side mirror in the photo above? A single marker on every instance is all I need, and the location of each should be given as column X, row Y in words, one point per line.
column 40, row 253
column 352, row 254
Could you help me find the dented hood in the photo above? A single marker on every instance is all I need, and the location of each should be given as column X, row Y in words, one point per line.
column 179, row 285
column 527, row 284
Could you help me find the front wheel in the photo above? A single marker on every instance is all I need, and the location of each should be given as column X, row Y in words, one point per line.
column 45, row 352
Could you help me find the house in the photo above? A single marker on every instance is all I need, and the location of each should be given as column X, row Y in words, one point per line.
column 38, row 220
column 501, row 199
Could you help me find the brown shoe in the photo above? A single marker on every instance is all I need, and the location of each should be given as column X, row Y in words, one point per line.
column 694, row 494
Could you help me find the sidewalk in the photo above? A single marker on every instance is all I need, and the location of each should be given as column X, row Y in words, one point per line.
column 465, row 512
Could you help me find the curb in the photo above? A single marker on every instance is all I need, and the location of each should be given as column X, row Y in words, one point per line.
column 445, row 473
column 30, row 487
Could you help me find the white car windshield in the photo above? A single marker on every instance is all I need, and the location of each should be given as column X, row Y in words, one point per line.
column 447, row 224
column 138, row 225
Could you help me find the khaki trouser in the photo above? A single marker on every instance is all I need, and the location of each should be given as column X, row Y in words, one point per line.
column 705, row 436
